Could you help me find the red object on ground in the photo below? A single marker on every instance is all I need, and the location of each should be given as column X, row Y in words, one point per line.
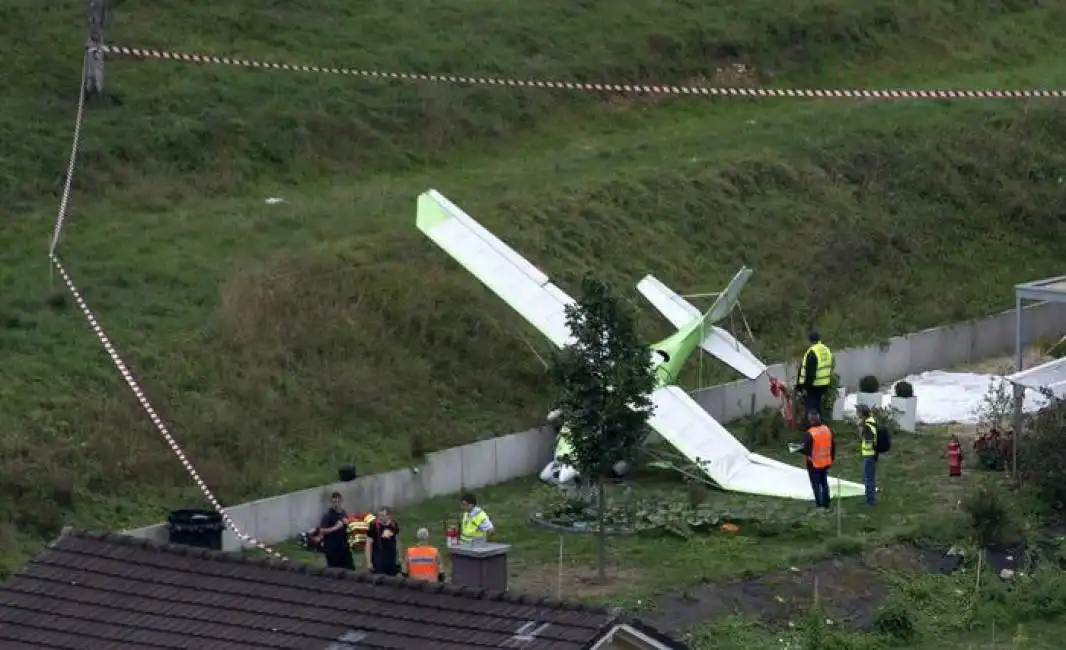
column 779, row 390
column 954, row 458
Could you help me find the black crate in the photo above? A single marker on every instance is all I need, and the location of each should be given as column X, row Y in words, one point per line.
column 199, row 528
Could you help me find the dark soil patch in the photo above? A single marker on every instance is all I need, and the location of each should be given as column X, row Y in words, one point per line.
column 1015, row 557
column 848, row 589
column 913, row 559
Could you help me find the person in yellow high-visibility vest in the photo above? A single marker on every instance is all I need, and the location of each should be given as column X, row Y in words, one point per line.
column 815, row 373
column 868, row 449
column 475, row 525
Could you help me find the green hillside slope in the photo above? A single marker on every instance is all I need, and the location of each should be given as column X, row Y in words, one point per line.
column 282, row 340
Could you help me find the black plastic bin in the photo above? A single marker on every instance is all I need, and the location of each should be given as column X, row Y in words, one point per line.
column 199, row 528
column 347, row 473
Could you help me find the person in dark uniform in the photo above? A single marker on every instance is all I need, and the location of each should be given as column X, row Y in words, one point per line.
column 334, row 532
column 383, row 548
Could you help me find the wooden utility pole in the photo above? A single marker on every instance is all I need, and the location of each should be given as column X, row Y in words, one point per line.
column 94, row 58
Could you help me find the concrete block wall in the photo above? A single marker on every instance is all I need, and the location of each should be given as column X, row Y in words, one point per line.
column 486, row 462
column 498, row 460
column 898, row 357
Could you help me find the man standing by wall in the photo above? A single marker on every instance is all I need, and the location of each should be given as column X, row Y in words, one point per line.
column 383, row 549
column 820, row 449
column 868, row 442
column 815, row 373
column 333, row 530
column 475, row 525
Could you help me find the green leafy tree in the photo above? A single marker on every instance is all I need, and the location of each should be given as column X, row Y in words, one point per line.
column 604, row 380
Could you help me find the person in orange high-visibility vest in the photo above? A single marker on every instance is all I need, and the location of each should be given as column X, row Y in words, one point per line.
column 423, row 561
column 820, row 449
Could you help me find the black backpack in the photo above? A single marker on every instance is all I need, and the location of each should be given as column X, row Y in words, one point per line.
column 883, row 442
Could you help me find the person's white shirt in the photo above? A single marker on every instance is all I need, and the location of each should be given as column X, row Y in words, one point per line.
column 486, row 524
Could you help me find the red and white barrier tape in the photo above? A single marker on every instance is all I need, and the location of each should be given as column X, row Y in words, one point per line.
column 64, row 201
column 94, row 323
column 625, row 88
column 131, row 381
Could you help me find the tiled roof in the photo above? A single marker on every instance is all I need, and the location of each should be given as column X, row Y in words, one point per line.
column 100, row 590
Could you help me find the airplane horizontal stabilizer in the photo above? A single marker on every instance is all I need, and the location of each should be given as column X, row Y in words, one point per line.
column 718, row 342
column 727, row 349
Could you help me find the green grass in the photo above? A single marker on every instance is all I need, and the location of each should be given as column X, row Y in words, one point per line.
column 281, row 341
column 914, row 483
column 919, row 505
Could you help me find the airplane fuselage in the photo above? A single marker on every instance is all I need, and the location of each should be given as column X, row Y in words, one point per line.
column 670, row 354
column 668, row 357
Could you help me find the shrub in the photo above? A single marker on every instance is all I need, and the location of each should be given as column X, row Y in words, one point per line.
column 829, row 399
column 993, row 446
column 885, row 418
column 869, row 384
column 895, row 621
column 1042, row 454
column 988, row 513
column 904, row 389
column 766, row 428
column 997, row 406
column 1040, row 597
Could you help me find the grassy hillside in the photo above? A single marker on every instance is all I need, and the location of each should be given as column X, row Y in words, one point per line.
column 282, row 340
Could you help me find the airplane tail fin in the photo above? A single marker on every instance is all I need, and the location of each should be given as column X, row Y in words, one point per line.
column 727, row 300
column 718, row 342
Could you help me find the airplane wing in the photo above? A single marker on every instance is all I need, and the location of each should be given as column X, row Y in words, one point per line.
column 727, row 462
column 517, row 282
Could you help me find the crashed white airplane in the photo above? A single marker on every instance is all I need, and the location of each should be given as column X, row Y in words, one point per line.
column 677, row 418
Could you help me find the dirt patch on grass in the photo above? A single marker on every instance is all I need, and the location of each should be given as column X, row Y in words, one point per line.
column 911, row 560
column 845, row 587
column 849, row 590
column 577, row 582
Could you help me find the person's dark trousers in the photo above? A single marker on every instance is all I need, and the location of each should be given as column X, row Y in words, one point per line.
column 820, row 486
column 869, row 479
column 387, row 570
column 340, row 558
column 812, row 399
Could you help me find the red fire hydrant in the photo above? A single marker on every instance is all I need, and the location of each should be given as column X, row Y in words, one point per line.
column 954, row 454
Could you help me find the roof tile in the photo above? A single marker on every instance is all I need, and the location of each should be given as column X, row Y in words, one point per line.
column 92, row 590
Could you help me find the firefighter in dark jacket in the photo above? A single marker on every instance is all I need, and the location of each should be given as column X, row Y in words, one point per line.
column 815, row 373
column 820, row 450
